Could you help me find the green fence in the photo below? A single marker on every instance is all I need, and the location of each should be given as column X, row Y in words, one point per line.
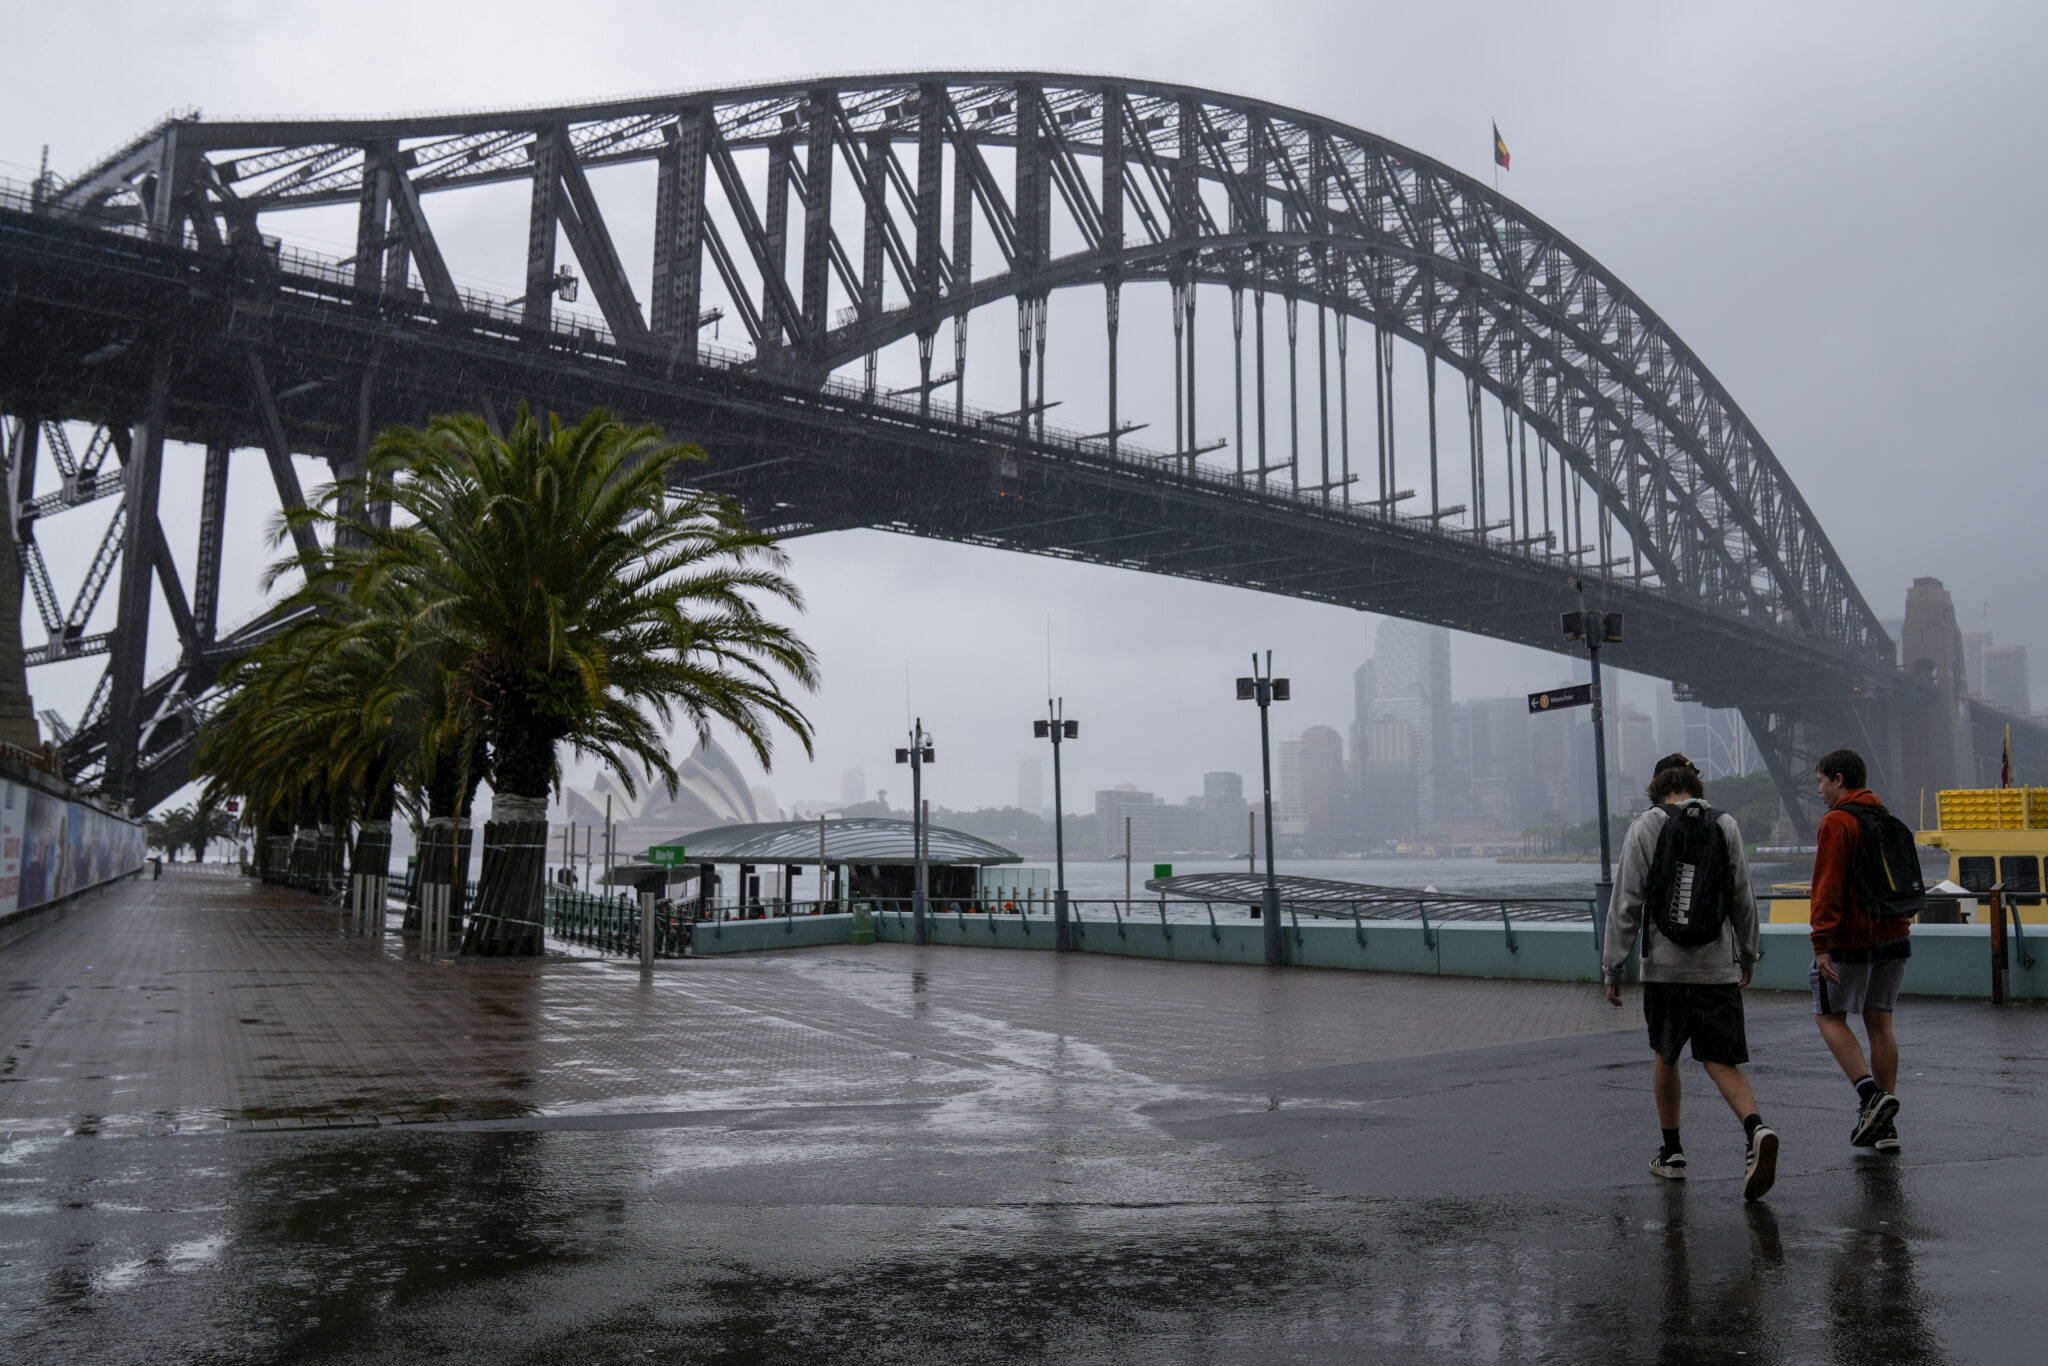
column 611, row 924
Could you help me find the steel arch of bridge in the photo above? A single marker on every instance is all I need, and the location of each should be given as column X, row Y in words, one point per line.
column 164, row 309
column 1146, row 181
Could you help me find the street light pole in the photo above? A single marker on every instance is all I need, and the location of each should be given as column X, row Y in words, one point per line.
column 1266, row 690
column 1597, row 629
column 1056, row 728
column 917, row 756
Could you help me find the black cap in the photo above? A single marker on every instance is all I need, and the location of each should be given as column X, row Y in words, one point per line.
column 1674, row 761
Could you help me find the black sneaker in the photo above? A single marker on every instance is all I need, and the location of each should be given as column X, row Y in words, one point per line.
column 1670, row 1166
column 1875, row 1114
column 1761, row 1171
column 1886, row 1139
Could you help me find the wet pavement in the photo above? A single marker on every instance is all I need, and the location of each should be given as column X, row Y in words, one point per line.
column 233, row 1135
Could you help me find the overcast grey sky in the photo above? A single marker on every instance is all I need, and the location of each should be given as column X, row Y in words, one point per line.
column 1838, row 206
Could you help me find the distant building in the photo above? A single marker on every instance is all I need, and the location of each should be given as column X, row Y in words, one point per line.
column 1634, row 758
column 1412, row 683
column 1311, row 785
column 1030, row 786
column 2005, row 680
column 1223, row 810
column 853, row 787
column 1975, row 643
column 1505, row 790
column 1390, row 789
column 1155, row 827
column 1364, row 711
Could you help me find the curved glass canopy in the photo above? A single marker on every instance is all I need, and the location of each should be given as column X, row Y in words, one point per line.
column 861, row 839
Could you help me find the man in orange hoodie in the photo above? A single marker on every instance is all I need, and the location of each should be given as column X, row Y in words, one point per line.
column 1859, row 962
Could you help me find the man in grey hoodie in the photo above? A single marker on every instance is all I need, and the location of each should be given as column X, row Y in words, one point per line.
column 1690, row 993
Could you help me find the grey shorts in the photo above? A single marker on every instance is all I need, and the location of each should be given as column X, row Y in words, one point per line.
column 1864, row 986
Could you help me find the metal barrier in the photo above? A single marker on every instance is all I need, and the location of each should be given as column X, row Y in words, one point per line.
column 612, row 924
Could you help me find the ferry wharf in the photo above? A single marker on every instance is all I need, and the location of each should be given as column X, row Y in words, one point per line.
column 234, row 1132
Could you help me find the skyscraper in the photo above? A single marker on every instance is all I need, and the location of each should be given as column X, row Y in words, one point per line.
column 1412, row 682
column 1223, row 808
column 1364, row 711
column 853, row 786
column 1030, row 786
column 1312, row 783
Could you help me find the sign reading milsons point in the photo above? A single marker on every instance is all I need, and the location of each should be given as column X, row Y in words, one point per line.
column 666, row 856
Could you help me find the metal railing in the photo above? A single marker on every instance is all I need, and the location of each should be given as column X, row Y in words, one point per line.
column 1099, row 913
column 611, row 924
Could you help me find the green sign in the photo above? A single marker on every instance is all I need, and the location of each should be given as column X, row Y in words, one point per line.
column 666, row 856
column 1162, row 870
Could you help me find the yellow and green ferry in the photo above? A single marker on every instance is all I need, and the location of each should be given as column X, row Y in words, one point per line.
column 1992, row 836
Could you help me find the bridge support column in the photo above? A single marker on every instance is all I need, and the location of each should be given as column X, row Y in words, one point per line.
column 1188, row 303
column 1323, row 392
column 1293, row 396
column 1259, row 358
column 1180, row 442
column 541, row 219
column 1038, row 309
column 676, row 306
column 213, row 506
column 17, row 708
column 1237, row 369
column 1023, row 380
column 1111, row 308
column 131, row 623
column 1344, row 401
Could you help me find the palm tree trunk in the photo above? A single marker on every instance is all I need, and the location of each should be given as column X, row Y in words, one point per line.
column 372, row 854
column 507, row 919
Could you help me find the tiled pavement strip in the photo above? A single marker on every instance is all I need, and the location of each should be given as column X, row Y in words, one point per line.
column 207, row 1001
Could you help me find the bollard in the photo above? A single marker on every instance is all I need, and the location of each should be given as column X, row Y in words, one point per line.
column 1998, row 964
column 646, row 931
column 380, row 893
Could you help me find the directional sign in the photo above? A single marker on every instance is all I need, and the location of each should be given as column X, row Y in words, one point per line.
column 666, row 856
column 1580, row 696
column 1162, row 870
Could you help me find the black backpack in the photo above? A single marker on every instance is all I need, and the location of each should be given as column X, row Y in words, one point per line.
column 1887, row 873
column 1691, row 891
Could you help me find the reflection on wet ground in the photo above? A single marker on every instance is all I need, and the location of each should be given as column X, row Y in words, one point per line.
column 898, row 1158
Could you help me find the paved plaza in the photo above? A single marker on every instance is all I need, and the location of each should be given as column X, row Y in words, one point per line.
column 234, row 1134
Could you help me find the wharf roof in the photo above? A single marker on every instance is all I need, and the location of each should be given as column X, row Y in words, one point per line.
column 1321, row 896
column 858, row 839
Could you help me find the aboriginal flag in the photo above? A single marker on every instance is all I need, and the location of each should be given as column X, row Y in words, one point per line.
column 1500, row 149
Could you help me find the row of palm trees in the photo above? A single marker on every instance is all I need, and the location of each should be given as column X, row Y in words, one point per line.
column 481, row 604
column 194, row 826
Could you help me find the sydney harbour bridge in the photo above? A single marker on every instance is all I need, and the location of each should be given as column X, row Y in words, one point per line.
column 1393, row 389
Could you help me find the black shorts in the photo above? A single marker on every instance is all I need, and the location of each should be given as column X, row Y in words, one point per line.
column 1710, row 1016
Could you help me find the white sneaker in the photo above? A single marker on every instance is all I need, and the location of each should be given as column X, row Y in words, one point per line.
column 1882, row 1109
column 1762, row 1168
column 1670, row 1166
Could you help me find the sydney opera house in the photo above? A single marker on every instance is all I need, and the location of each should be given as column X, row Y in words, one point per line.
column 712, row 792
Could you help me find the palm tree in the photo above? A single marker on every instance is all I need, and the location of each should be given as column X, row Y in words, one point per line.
column 589, row 606
column 170, row 830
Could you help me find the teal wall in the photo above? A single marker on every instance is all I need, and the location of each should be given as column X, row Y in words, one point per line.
column 1948, row 960
column 752, row 936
